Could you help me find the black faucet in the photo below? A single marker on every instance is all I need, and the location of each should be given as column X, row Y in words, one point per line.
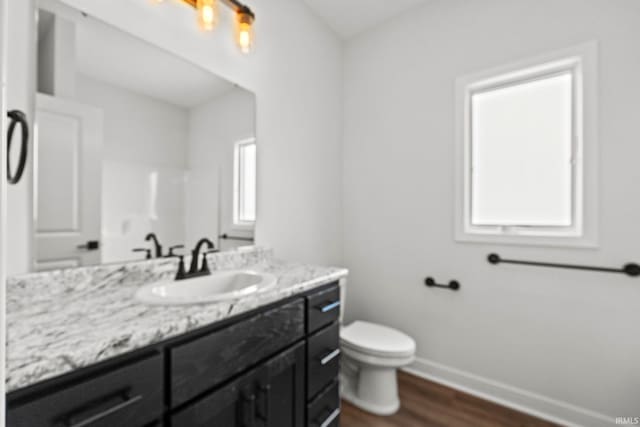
column 195, row 255
column 156, row 243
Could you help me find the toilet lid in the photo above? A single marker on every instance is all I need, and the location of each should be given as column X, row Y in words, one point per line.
column 373, row 339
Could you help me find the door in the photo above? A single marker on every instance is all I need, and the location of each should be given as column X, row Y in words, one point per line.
column 280, row 399
column 67, row 193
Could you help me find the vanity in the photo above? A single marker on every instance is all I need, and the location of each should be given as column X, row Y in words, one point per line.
column 270, row 360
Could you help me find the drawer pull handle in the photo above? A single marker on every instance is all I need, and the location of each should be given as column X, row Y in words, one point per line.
column 329, row 357
column 105, row 413
column 248, row 410
column 329, row 307
column 327, row 422
column 265, row 391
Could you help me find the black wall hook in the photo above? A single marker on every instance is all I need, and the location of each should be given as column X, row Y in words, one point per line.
column 631, row 269
column 454, row 285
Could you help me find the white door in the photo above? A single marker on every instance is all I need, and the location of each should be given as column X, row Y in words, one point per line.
column 67, row 194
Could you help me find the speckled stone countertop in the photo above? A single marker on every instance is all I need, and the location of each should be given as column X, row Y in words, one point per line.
column 64, row 320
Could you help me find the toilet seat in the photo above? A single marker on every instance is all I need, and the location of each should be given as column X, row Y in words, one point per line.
column 377, row 340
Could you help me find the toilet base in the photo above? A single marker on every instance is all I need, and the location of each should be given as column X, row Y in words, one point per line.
column 369, row 407
column 374, row 389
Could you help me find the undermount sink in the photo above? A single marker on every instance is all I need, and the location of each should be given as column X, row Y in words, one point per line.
column 219, row 286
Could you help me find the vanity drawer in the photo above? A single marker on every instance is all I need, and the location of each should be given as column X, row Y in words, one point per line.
column 323, row 359
column 323, row 308
column 200, row 365
column 324, row 411
column 128, row 396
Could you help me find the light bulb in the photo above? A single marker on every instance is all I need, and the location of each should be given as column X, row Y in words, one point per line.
column 207, row 14
column 244, row 30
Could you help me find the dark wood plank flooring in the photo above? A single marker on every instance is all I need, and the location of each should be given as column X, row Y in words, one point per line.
column 426, row 404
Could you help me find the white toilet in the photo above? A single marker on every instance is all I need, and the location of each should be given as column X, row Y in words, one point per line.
column 371, row 354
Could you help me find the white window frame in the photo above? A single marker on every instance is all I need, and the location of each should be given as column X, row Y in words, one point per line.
column 581, row 62
column 237, row 223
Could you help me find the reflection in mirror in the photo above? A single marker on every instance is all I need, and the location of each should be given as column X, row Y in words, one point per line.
column 135, row 155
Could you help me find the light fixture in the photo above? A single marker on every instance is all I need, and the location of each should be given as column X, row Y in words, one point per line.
column 209, row 14
column 244, row 29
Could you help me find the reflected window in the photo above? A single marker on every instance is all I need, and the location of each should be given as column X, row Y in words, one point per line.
column 244, row 201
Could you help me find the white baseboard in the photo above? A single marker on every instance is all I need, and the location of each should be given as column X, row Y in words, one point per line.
column 534, row 404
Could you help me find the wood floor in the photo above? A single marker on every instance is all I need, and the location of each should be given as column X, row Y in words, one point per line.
column 427, row 404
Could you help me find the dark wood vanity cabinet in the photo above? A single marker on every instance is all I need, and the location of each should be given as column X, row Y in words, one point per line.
column 274, row 367
column 271, row 395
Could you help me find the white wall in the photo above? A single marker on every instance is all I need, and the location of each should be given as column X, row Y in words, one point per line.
column 566, row 340
column 214, row 128
column 21, row 75
column 144, row 162
column 137, row 128
column 3, row 202
column 296, row 74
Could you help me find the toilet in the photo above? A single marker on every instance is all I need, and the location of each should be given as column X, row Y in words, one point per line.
column 371, row 354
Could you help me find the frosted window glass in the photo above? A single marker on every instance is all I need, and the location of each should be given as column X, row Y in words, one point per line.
column 521, row 144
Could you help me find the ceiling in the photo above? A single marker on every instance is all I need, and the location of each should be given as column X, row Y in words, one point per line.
column 138, row 66
column 120, row 59
column 350, row 17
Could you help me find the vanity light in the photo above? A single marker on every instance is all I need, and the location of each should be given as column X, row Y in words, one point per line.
column 244, row 29
column 209, row 15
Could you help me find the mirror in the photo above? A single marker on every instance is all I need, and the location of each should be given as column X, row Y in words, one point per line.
column 134, row 143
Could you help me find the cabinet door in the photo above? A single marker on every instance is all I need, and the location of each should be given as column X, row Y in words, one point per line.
column 233, row 405
column 280, row 400
column 272, row 395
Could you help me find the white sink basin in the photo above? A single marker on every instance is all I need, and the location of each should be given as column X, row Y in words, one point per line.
column 219, row 286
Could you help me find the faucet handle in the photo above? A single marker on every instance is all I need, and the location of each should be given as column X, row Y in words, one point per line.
column 181, row 273
column 172, row 249
column 148, row 251
column 204, row 268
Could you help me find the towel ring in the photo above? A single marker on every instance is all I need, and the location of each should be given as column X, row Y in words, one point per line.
column 17, row 117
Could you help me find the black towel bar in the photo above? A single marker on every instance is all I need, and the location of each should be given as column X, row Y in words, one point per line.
column 240, row 238
column 630, row 269
column 454, row 285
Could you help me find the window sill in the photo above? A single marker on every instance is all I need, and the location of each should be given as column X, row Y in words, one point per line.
column 584, row 242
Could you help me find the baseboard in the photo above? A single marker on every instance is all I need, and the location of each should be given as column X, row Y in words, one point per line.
column 534, row 404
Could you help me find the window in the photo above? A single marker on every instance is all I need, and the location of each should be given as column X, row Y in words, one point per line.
column 525, row 149
column 244, row 183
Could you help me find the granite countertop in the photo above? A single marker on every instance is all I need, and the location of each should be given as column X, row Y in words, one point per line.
column 54, row 327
